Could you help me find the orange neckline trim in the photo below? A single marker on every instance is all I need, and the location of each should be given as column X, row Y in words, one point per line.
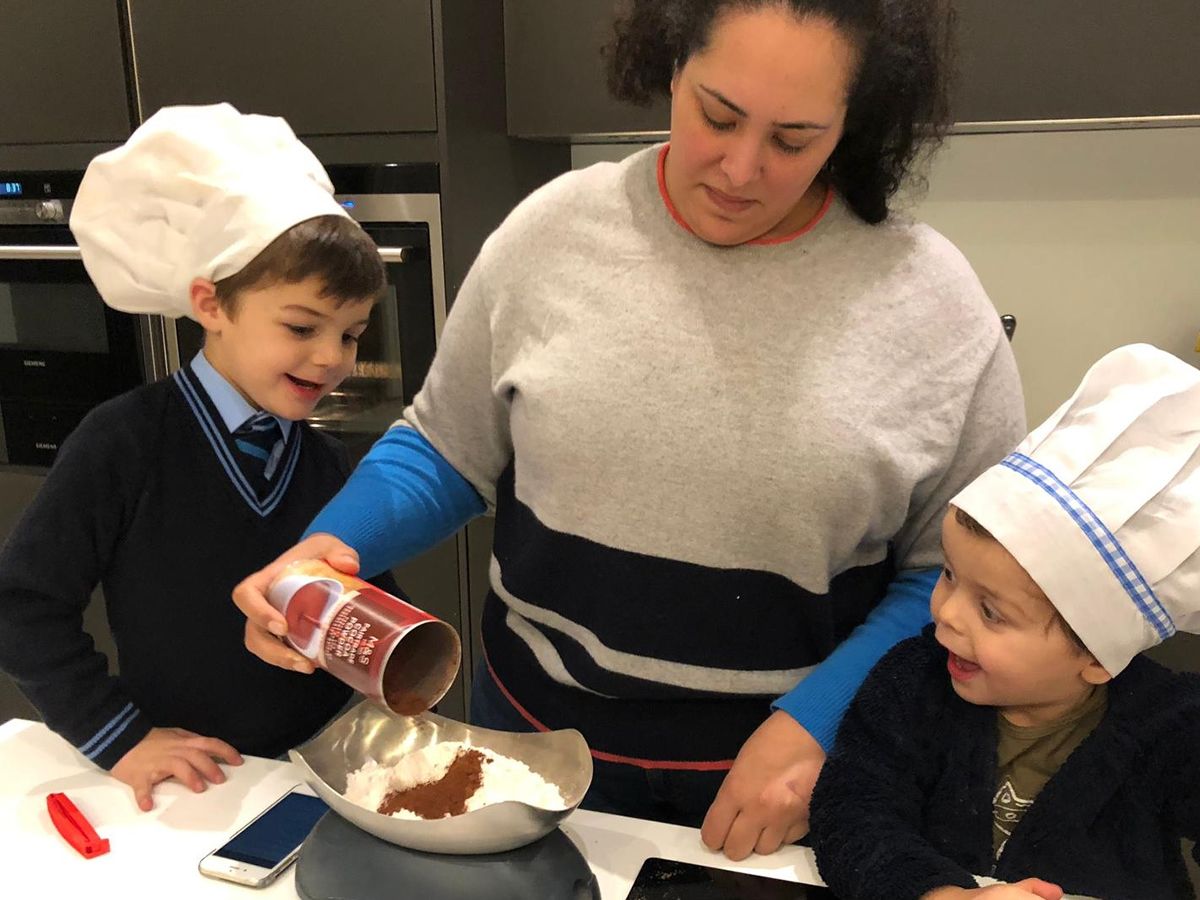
column 762, row 242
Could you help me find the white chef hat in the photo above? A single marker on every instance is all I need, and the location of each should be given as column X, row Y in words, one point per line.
column 1101, row 504
column 196, row 191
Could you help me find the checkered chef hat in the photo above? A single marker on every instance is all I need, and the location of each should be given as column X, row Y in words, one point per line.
column 196, row 191
column 1101, row 504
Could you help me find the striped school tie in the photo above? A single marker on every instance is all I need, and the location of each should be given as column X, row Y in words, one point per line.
column 260, row 440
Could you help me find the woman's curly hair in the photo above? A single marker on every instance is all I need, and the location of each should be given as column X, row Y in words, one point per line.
column 898, row 105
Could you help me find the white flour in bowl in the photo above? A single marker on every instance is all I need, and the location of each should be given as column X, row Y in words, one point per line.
column 448, row 778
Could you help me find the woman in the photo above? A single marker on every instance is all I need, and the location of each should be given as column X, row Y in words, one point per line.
column 717, row 401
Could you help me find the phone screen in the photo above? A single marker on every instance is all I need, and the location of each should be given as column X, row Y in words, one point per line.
column 668, row 879
column 271, row 837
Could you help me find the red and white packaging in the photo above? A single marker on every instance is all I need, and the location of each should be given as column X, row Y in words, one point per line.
column 391, row 651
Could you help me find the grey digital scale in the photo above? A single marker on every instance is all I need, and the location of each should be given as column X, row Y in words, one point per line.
column 340, row 861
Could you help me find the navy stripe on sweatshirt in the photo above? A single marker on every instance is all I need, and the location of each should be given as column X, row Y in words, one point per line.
column 575, row 630
column 669, row 611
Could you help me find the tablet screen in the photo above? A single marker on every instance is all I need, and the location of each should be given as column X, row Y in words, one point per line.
column 666, row 879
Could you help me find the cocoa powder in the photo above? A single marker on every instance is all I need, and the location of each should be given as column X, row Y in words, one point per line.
column 420, row 668
column 447, row 796
column 406, row 703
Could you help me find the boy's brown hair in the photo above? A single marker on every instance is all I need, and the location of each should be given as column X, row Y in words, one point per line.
column 968, row 522
column 332, row 248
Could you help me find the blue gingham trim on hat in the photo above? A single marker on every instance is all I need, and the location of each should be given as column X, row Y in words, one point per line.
column 1102, row 539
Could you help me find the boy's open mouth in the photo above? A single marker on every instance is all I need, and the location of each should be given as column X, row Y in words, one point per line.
column 301, row 383
column 959, row 668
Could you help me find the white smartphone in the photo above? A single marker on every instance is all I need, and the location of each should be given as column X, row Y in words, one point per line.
column 257, row 854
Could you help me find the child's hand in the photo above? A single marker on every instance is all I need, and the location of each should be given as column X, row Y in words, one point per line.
column 1029, row 889
column 265, row 625
column 173, row 752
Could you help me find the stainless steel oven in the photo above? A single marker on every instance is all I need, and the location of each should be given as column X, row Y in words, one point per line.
column 62, row 350
column 399, row 206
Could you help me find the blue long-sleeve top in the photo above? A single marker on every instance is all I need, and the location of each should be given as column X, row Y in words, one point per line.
column 402, row 499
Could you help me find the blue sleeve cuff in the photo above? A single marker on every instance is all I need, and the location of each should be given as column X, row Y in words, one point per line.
column 820, row 700
column 402, row 499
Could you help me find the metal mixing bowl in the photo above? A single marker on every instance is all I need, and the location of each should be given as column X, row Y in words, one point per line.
column 368, row 731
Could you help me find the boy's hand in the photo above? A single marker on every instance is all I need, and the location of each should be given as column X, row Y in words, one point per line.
column 173, row 753
column 1029, row 889
column 264, row 624
column 763, row 802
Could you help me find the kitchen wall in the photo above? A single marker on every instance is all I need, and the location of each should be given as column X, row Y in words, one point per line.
column 1090, row 238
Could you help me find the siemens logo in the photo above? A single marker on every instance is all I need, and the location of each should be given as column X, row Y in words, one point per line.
column 41, row 445
column 34, row 363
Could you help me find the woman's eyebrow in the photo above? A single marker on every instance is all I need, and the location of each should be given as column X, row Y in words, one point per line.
column 733, row 107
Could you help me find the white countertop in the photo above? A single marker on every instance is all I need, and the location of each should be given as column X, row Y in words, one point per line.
column 155, row 854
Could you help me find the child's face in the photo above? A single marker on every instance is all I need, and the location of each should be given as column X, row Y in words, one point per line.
column 1006, row 648
column 285, row 347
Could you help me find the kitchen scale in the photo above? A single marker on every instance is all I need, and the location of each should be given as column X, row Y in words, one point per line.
column 340, row 861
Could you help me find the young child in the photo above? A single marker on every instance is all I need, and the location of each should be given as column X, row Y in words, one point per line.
column 166, row 496
column 1022, row 736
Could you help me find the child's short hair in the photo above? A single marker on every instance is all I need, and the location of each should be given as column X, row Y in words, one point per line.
column 966, row 521
column 332, row 248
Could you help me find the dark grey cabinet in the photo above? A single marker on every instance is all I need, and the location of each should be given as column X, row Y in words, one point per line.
column 62, row 78
column 1020, row 60
column 346, row 67
column 555, row 73
column 1077, row 59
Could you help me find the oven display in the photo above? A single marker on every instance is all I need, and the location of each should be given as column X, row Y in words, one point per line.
column 11, row 189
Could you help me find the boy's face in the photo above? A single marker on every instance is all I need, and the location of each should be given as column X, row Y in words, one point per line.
column 285, row 346
column 1006, row 647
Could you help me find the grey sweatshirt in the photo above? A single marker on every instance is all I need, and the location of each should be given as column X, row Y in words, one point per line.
column 706, row 463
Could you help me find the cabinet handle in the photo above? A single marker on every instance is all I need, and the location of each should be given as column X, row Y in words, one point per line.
column 32, row 251
column 396, row 254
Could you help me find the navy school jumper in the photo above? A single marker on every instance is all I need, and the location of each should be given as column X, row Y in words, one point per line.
column 145, row 500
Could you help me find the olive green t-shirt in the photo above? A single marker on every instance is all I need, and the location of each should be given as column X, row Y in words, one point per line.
column 1028, row 757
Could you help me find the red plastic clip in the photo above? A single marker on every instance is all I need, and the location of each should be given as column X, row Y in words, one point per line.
column 73, row 826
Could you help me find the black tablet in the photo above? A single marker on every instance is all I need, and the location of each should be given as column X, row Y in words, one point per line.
column 667, row 879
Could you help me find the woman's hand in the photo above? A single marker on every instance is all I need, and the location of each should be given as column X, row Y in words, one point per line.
column 1029, row 889
column 265, row 625
column 173, row 753
column 763, row 802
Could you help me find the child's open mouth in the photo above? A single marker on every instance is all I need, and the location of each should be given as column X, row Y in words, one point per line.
column 960, row 669
column 310, row 387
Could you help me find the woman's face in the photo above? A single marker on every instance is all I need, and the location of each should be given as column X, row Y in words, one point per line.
column 754, row 117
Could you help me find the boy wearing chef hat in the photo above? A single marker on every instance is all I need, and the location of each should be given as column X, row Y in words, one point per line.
column 166, row 496
column 1022, row 735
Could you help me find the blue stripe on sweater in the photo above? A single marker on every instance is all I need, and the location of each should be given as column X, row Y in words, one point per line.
column 109, row 733
column 212, row 431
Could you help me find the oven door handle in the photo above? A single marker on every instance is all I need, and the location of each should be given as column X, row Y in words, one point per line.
column 396, row 254
column 33, row 251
